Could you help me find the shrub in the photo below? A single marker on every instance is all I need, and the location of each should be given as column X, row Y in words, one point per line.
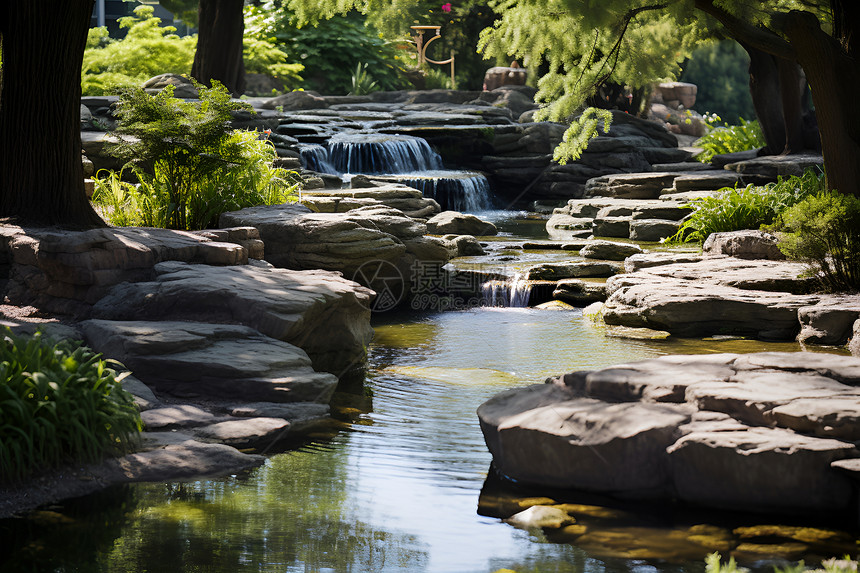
column 747, row 208
column 150, row 49
column 59, row 402
column 823, row 231
column 729, row 139
column 190, row 166
column 147, row 50
column 330, row 49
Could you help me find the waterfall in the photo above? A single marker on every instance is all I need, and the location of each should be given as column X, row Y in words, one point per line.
column 514, row 292
column 462, row 191
column 380, row 153
column 316, row 158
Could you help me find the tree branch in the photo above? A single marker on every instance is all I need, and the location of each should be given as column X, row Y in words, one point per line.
column 760, row 38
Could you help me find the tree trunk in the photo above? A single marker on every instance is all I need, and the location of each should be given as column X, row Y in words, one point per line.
column 219, row 44
column 41, row 177
column 776, row 87
column 834, row 77
column 764, row 89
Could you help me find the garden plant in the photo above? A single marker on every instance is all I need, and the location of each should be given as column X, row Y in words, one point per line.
column 750, row 207
column 190, row 165
column 59, row 403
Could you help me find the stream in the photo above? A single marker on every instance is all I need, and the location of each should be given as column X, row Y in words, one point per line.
column 402, row 480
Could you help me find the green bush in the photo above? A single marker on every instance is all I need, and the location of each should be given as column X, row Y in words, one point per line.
column 147, row 50
column 59, row 402
column 190, row 165
column 747, row 208
column 150, row 49
column 729, row 138
column 823, row 231
column 330, row 49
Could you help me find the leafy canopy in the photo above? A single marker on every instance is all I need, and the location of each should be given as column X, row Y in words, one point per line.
column 579, row 44
column 150, row 49
column 461, row 24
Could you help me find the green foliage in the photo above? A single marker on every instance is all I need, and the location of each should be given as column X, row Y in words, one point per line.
column 190, row 165
column 330, row 49
column 262, row 56
column 150, row 49
column 147, row 50
column 713, row 564
column 729, row 139
column 59, row 402
column 362, row 84
column 747, row 208
column 823, row 231
column 720, row 70
column 461, row 27
column 580, row 132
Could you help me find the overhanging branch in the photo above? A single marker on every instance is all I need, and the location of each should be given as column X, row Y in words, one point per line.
column 760, row 38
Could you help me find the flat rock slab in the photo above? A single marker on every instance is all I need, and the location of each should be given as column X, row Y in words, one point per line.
column 724, row 295
column 322, row 313
column 688, row 308
column 770, row 432
column 764, row 275
column 630, row 185
column 297, row 238
column 705, row 181
column 68, row 271
column 197, row 360
column 609, row 251
column 180, row 461
column 558, row 271
column 258, row 433
column 453, row 222
column 176, row 416
column 773, row 166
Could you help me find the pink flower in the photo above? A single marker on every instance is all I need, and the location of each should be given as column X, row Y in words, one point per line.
column 446, row 7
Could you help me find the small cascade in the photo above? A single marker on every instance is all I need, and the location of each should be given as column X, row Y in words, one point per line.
column 316, row 158
column 463, row 191
column 381, row 153
column 514, row 293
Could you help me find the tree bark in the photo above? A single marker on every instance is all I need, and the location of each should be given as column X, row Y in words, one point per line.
column 219, row 44
column 776, row 89
column 834, row 76
column 41, row 176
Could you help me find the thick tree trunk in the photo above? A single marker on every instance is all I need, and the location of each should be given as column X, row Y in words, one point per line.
column 41, row 177
column 834, row 76
column 776, row 88
column 219, row 44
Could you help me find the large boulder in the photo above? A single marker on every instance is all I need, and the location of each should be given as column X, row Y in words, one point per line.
column 324, row 314
column 746, row 244
column 760, row 432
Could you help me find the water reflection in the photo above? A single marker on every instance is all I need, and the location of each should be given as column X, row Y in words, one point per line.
column 397, row 488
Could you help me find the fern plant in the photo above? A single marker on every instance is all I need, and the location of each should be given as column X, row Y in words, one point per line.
column 748, row 208
column 191, row 166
